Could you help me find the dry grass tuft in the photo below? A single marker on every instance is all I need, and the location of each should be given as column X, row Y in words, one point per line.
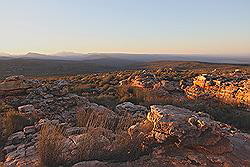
column 50, row 145
column 94, row 144
column 104, row 119
column 1, row 131
column 102, row 144
column 94, row 118
column 14, row 121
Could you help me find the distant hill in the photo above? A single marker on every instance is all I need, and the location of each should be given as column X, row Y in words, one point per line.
column 34, row 64
column 47, row 67
column 231, row 59
column 50, row 67
column 36, row 67
column 191, row 65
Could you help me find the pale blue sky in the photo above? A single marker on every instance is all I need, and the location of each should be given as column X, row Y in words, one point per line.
column 135, row 26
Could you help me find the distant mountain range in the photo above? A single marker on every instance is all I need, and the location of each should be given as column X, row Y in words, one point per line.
column 34, row 64
column 124, row 58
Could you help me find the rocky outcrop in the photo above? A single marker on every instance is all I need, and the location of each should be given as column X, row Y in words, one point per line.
column 188, row 138
column 152, row 82
column 172, row 136
column 16, row 85
column 52, row 101
column 180, row 137
column 144, row 80
column 229, row 90
column 131, row 135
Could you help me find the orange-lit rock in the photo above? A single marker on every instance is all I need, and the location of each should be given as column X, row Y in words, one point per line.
column 231, row 91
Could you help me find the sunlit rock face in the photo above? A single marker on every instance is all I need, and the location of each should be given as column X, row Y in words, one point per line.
column 187, row 138
column 229, row 90
column 154, row 83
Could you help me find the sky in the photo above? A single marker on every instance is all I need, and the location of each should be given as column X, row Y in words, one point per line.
column 131, row 26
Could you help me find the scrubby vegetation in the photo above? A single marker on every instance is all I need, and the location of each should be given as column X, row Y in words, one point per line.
column 14, row 121
column 1, row 131
column 100, row 142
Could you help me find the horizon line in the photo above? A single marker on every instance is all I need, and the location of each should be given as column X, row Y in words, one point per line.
column 135, row 53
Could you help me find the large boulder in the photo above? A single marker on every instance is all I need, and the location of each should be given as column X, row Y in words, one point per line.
column 186, row 138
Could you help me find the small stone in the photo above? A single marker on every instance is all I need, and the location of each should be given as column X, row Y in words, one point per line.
column 9, row 149
column 16, row 138
column 26, row 108
column 90, row 164
column 75, row 130
column 29, row 129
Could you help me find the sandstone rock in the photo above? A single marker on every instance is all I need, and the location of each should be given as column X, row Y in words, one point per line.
column 29, row 130
column 15, row 78
column 75, row 130
column 60, row 88
column 128, row 107
column 9, row 149
column 143, row 80
column 198, row 137
column 15, row 85
column 26, row 108
column 165, row 136
column 229, row 90
column 60, row 106
column 91, row 164
column 16, row 138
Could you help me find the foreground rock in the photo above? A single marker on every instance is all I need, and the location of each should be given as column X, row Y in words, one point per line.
column 170, row 135
column 187, row 138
